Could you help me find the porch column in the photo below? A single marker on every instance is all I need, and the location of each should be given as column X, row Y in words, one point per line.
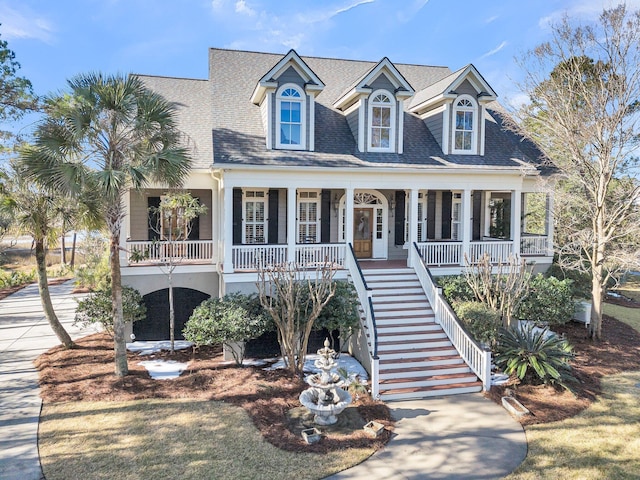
column 291, row 224
column 348, row 216
column 467, row 227
column 413, row 223
column 227, row 210
column 516, row 220
column 549, row 223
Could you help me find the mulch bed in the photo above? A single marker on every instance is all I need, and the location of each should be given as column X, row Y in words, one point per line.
column 616, row 352
column 85, row 373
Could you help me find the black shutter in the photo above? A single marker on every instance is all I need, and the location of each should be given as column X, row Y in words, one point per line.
column 399, row 225
column 273, row 217
column 431, row 215
column 194, row 226
column 477, row 214
column 237, row 216
column 153, row 219
column 446, row 214
column 325, row 216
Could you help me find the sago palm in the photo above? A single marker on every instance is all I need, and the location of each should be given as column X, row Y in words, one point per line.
column 110, row 133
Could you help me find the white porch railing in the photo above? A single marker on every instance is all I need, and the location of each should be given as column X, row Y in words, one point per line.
column 321, row 253
column 477, row 357
column 498, row 251
column 250, row 257
column 159, row 251
column 534, row 245
column 441, row 253
column 364, row 295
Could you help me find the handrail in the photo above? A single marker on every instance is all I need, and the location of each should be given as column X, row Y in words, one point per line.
column 476, row 356
column 366, row 302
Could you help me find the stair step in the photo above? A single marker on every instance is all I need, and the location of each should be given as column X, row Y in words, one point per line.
column 406, row 282
column 413, row 372
column 408, row 306
column 433, row 391
column 420, row 362
column 425, row 340
column 417, row 353
column 391, row 291
column 411, row 347
column 386, row 271
column 401, row 321
column 397, row 298
column 427, row 381
column 417, row 327
column 389, row 277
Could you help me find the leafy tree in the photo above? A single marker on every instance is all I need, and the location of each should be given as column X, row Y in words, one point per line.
column 341, row 312
column 584, row 90
column 549, row 301
column 229, row 321
column 16, row 93
column 109, row 134
column 40, row 214
column 173, row 226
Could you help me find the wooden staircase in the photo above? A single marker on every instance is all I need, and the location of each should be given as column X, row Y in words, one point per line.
column 416, row 358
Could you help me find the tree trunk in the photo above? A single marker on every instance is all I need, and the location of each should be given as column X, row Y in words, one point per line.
column 73, row 250
column 63, row 252
column 172, row 315
column 45, row 297
column 119, row 342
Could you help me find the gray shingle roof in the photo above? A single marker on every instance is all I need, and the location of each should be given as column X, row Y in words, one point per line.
column 221, row 109
column 193, row 99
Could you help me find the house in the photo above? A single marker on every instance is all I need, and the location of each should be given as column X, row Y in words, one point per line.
column 371, row 165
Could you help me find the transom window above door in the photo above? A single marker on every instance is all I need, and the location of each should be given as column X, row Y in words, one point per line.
column 290, row 118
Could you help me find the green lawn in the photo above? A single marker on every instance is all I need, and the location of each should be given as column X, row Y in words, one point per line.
column 604, row 440
column 170, row 439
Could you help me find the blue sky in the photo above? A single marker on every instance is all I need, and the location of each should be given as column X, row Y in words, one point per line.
column 55, row 40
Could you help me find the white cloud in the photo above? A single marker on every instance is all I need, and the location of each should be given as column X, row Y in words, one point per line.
column 243, row 9
column 585, row 10
column 491, row 19
column 24, row 24
column 350, row 7
column 409, row 13
column 495, row 50
column 319, row 16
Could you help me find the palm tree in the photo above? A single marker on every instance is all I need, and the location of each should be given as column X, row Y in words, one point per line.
column 40, row 214
column 109, row 133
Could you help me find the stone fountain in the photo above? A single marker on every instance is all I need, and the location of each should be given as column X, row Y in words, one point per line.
column 325, row 399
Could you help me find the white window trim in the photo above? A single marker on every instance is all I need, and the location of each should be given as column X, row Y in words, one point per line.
column 303, row 117
column 265, row 222
column 317, row 221
column 474, row 132
column 392, row 118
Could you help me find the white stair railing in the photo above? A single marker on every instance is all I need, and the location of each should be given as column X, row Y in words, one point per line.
column 364, row 295
column 477, row 357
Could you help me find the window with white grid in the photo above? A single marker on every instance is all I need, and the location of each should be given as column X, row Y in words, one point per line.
column 308, row 217
column 255, row 219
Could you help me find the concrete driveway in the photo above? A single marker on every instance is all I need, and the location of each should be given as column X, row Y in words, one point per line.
column 25, row 334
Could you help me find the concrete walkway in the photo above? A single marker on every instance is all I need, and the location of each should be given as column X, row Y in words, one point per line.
column 25, row 334
column 456, row 437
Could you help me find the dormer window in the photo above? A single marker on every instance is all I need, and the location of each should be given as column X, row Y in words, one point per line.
column 381, row 122
column 290, row 115
column 465, row 129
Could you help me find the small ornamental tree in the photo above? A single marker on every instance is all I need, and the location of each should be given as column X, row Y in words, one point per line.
column 173, row 225
column 294, row 297
column 341, row 312
column 228, row 321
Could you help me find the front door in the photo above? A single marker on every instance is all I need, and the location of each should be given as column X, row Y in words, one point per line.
column 362, row 229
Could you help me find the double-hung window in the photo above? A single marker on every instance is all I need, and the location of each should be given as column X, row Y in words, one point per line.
column 290, row 117
column 465, row 125
column 381, row 122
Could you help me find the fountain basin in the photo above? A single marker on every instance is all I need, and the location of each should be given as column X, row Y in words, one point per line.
column 325, row 414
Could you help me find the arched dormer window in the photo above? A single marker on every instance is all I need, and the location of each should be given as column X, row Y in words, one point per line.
column 290, row 118
column 465, row 128
column 382, row 114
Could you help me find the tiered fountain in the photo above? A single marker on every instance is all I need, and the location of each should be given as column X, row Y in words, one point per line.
column 325, row 399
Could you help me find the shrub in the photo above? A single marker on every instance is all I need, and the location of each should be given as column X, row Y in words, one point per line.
column 341, row 312
column 16, row 278
column 549, row 301
column 535, row 356
column 97, row 308
column 227, row 321
column 94, row 276
column 581, row 281
column 481, row 321
column 456, row 288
